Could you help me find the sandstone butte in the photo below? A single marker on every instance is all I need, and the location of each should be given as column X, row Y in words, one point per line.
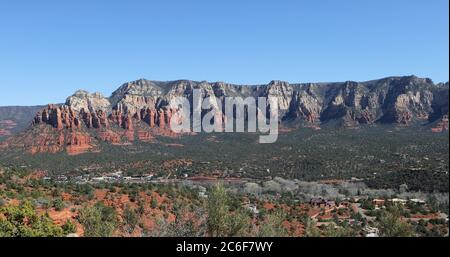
column 78, row 132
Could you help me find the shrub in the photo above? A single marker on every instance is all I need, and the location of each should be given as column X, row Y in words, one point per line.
column 58, row 204
column 390, row 225
column 221, row 221
column 69, row 227
column 98, row 220
column 273, row 225
column 23, row 221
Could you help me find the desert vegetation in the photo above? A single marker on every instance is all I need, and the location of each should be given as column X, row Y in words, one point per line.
column 32, row 206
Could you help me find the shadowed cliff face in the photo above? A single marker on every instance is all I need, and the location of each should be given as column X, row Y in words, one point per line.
column 140, row 110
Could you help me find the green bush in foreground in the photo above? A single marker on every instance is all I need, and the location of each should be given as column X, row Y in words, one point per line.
column 391, row 225
column 23, row 221
column 221, row 222
column 98, row 220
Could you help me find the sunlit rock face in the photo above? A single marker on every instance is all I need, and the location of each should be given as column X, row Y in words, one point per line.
column 89, row 102
column 141, row 109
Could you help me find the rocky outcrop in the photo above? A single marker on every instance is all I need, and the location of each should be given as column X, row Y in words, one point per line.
column 148, row 116
column 43, row 138
column 144, row 136
column 141, row 109
column 282, row 91
column 78, row 143
column 306, row 106
column 89, row 102
column 117, row 117
column 58, row 117
column 397, row 100
column 109, row 136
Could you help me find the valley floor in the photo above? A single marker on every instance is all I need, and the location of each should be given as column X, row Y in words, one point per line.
column 310, row 183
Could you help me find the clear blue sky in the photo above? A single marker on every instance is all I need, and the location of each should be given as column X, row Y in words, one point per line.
column 49, row 49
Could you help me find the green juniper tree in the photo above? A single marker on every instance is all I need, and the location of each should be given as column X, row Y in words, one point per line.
column 221, row 220
column 23, row 221
column 98, row 220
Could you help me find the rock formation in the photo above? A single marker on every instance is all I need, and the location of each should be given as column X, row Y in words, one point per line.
column 138, row 110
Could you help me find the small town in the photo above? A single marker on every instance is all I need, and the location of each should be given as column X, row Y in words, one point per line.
column 357, row 211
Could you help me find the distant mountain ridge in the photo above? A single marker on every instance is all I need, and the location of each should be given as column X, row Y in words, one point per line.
column 139, row 110
column 15, row 119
